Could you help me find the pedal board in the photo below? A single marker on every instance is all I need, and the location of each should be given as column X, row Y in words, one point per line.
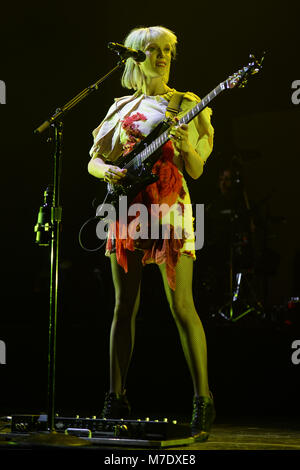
column 123, row 432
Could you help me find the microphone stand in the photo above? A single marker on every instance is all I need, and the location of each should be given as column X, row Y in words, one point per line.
column 52, row 230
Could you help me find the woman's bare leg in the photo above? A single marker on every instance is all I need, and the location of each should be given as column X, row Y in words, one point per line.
column 188, row 323
column 122, row 335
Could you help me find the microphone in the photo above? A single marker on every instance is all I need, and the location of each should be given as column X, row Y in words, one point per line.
column 126, row 52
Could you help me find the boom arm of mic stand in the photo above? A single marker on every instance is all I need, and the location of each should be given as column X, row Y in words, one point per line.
column 60, row 112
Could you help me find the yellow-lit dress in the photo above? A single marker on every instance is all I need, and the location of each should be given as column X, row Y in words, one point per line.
column 128, row 121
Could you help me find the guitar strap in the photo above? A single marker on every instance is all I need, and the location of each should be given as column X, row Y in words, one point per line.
column 174, row 104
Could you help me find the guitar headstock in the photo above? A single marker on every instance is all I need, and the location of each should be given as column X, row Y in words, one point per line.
column 241, row 77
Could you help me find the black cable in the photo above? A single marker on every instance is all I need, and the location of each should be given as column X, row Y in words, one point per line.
column 95, row 217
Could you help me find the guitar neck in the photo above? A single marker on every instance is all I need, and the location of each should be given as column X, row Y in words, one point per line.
column 141, row 157
column 202, row 104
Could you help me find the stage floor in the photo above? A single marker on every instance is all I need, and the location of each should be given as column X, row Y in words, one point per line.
column 254, row 437
column 267, row 436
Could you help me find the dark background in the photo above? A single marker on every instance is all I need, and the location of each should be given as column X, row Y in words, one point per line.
column 49, row 53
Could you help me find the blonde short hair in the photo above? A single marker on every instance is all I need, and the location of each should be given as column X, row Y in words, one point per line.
column 138, row 39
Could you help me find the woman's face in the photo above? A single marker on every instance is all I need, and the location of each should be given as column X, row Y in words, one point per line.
column 158, row 59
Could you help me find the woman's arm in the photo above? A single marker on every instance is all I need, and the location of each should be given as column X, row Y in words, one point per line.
column 194, row 162
column 110, row 173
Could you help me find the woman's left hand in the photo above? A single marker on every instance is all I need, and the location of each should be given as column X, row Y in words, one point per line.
column 180, row 138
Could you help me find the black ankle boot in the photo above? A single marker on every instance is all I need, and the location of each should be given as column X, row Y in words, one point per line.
column 115, row 406
column 203, row 417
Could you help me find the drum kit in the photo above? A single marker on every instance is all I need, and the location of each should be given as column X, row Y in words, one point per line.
column 234, row 268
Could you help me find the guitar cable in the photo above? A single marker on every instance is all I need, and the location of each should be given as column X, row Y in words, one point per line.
column 91, row 219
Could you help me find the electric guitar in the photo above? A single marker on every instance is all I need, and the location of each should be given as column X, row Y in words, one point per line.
column 140, row 160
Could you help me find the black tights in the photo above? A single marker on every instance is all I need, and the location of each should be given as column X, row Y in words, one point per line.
column 191, row 333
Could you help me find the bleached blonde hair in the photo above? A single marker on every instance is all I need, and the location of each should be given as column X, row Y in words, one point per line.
column 138, row 38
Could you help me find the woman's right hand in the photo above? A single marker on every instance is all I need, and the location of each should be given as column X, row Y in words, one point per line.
column 114, row 174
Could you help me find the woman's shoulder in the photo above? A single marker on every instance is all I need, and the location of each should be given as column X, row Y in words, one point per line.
column 121, row 99
column 186, row 95
column 118, row 104
column 190, row 96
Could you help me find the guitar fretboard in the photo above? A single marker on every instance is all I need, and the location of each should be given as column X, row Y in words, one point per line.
column 139, row 159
